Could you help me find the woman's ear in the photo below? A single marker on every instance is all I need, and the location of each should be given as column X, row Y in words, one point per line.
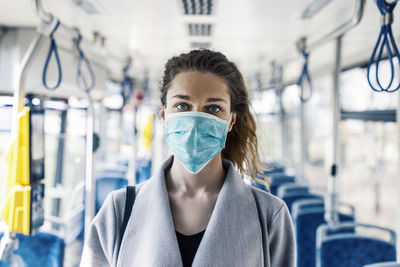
column 161, row 113
column 233, row 120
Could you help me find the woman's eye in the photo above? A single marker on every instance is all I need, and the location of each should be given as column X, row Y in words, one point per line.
column 214, row 109
column 182, row 107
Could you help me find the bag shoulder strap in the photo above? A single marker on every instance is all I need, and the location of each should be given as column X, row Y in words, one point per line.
column 130, row 199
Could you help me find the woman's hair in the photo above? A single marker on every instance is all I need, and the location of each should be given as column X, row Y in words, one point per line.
column 241, row 144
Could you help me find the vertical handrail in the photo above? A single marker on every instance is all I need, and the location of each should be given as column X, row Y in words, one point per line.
column 20, row 82
column 9, row 241
column 331, row 214
column 342, row 29
column 284, row 128
column 398, row 182
column 302, row 140
column 89, row 177
column 132, row 164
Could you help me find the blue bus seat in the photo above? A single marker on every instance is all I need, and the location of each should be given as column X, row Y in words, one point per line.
column 106, row 184
column 290, row 200
column 293, row 192
column 273, row 167
column 292, row 189
column 270, row 171
column 259, row 186
column 41, row 249
column 143, row 170
column 335, row 248
column 278, row 179
column 306, row 204
column 111, row 173
column 384, row 264
column 306, row 221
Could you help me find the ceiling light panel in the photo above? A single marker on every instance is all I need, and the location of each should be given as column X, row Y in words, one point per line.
column 199, row 45
column 199, row 29
column 197, row 7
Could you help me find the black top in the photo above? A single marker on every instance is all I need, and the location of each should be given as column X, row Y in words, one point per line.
column 188, row 245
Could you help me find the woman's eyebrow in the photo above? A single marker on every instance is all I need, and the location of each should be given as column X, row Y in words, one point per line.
column 216, row 100
column 185, row 97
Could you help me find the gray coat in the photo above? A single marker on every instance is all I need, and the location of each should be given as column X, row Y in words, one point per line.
column 248, row 227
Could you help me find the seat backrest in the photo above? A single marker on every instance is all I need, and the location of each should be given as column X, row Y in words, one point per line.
column 292, row 189
column 273, row 166
column 384, row 264
column 335, row 248
column 143, row 170
column 305, row 204
column 306, row 223
column 274, row 169
column 278, row 179
column 293, row 198
column 111, row 173
column 104, row 186
column 259, row 186
column 41, row 249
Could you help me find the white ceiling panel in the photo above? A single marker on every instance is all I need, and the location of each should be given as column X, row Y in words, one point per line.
column 250, row 32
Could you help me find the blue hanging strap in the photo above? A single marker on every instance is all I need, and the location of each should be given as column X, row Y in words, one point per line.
column 305, row 77
column 82, row 59
column 52, row 50
column 127, row 84
column 385, row 40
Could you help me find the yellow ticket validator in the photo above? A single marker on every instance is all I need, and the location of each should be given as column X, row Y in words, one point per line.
column 22, row 197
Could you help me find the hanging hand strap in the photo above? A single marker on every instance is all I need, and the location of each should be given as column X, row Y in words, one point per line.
column 385, row 40
column 305, row 77
column 52, row 51
column 127, row 84
column 82, row 59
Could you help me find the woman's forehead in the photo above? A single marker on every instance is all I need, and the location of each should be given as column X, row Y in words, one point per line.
column 197, row 84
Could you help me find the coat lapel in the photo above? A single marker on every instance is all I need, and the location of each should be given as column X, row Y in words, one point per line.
column 233, row 234
column 232, row 237
column 150, row 238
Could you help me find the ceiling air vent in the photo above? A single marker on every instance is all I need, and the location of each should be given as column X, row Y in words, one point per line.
column 197, row 7
column 198, row 45
column 199, row 29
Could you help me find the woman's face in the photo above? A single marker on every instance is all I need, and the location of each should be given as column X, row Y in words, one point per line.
column 202, row 92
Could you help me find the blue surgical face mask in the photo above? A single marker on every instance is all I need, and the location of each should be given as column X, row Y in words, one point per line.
column 195, row 138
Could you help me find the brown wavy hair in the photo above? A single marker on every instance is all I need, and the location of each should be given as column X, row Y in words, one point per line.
column 241, row 144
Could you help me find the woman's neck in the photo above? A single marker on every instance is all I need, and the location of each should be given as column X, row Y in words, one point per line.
column 209, row 180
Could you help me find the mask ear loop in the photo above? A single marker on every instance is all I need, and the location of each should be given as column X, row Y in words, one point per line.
column 227, row 128
column 230, row 119
column 229, row 122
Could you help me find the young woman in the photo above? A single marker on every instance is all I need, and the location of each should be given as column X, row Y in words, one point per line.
column 197, row 210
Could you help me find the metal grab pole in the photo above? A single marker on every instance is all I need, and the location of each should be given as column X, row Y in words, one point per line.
column 398, row 182
column 89, row 178
column 331, row 214
column 342, row 29
column 353, row 21
column 134, row 143
column 9, row 242
column 284, row 131
column 20, row 82
column 132, row 160
column 302, row 140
